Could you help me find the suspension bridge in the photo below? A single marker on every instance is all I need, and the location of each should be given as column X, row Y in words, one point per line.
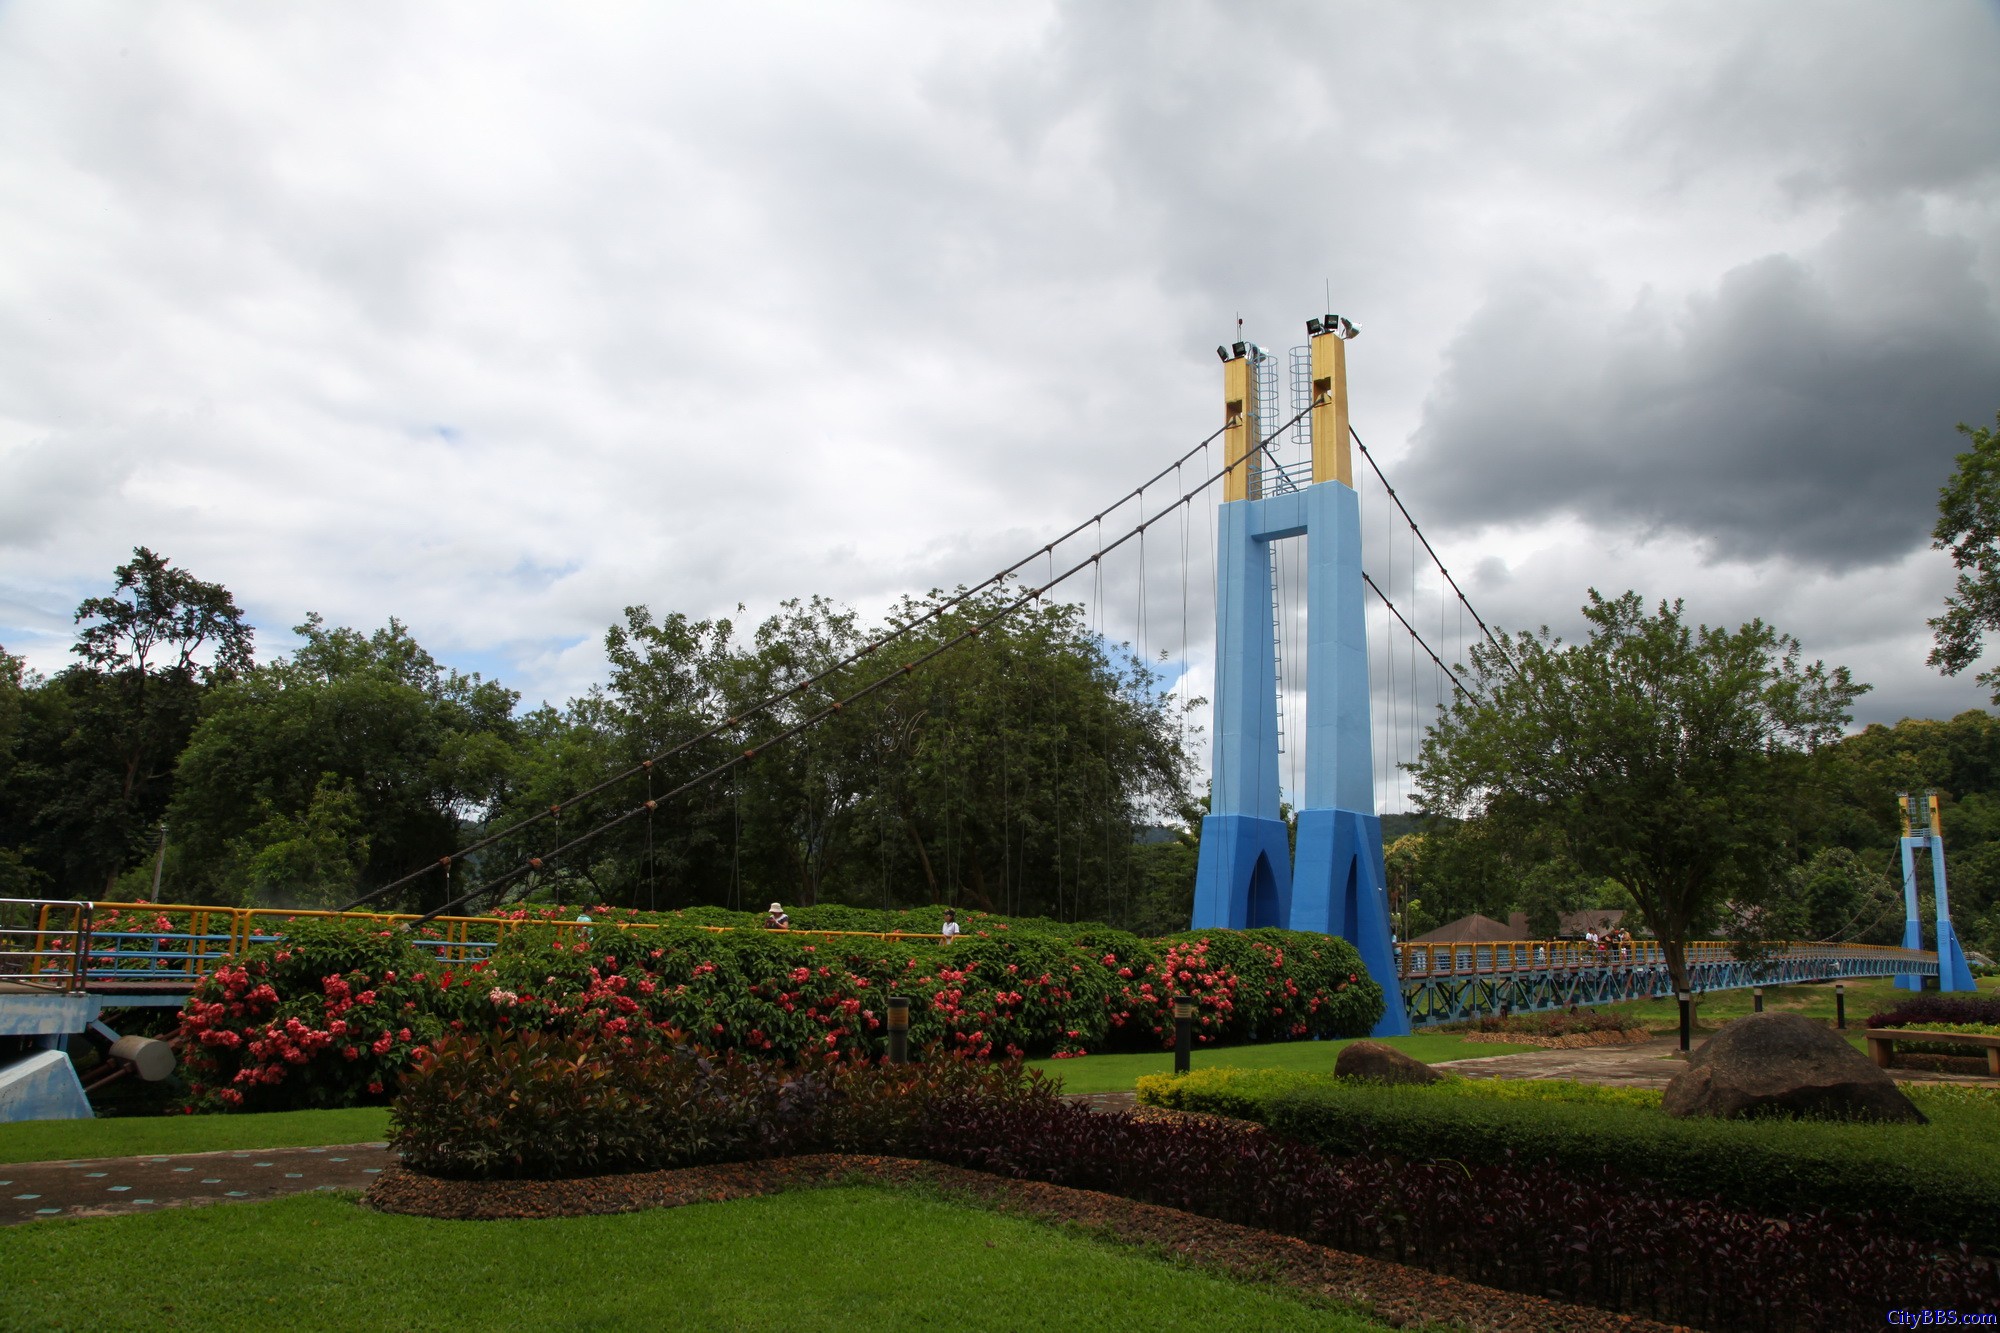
column 1336, row 626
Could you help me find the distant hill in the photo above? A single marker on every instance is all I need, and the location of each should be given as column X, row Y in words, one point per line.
column 1396, row 826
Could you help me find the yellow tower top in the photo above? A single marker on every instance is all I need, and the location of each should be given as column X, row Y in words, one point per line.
column 1240, row 424
column 1333, row 458
column 1921, row 815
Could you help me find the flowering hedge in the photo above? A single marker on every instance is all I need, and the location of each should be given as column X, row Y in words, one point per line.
column 329, row 1015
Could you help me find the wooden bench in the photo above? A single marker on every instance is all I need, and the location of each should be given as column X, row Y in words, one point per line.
column 1882, row 1044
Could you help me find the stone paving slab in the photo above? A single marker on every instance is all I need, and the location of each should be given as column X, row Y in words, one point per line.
column 110, row 1186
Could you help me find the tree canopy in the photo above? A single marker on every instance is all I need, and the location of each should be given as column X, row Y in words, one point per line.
column 1968, row 526
column 1671, row 758
column 1034, row 768
column 93, row 750
column 1015, row 773
column 347, row 762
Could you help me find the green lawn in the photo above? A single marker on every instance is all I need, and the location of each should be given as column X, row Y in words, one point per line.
column 64, row 1140
column 838, row 1259
column 1864, row 997
column 1119, row 1073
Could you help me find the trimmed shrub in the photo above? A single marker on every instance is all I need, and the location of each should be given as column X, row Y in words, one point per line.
column 1925, row 1010
column 1770, row 1166
column 1600, row 1237
column 530, row 1105
column 1010, row 990
column 1553, row 1023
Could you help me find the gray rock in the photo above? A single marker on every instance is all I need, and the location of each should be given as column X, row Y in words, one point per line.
column 1383, row 1064
column 1783, row 1064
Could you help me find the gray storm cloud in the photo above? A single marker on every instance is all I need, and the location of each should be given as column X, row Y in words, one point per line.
column 1803, row 407
column 498, row 318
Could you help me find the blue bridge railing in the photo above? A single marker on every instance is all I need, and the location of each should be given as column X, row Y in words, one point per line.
column 1444, row 983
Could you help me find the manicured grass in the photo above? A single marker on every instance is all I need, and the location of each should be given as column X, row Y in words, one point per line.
column 64, row 1140
column 1120, row 1073
column 844, row 1258
column 1864, row 997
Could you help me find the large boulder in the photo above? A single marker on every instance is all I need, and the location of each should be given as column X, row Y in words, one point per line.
column 1783, row 1064
column 1382, row 1064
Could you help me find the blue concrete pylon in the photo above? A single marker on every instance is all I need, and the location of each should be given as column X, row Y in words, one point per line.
column 1953, row 972
column 1246, row 875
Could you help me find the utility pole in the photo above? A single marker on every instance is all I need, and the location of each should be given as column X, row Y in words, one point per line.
column 159, row 861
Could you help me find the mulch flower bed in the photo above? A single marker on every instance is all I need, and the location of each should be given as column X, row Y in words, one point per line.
column 1390, row 1292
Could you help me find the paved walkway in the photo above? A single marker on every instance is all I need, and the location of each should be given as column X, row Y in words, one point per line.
column 109, row 1186
column 1647, row 1064
column 1650, row 1064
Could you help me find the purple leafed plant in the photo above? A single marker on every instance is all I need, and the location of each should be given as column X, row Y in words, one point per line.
column 1605, row 1239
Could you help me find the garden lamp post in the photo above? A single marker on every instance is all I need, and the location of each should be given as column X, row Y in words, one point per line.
column 899, row 1029
column 1840, row 1005
column 1687, row 1018
column 1183, row 1032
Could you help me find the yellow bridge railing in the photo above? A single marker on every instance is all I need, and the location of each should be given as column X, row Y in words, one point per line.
column 66, row 945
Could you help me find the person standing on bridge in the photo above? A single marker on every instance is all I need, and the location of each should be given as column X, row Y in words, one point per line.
column 776, row 919
column 950, row 924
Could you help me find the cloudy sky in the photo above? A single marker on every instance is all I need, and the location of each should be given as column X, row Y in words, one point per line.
column 499, row 318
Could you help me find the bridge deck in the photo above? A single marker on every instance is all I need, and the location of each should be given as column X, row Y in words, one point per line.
column 153, row 954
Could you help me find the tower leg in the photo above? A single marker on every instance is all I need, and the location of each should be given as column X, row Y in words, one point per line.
column 1340, row 889
column 1953, row 973
column 1913, row 930
column 1243, row 878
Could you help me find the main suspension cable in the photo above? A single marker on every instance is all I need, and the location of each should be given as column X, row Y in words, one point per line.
column 799, row 688
column 1412, row 631
column 778, row 738
column 1414, row 527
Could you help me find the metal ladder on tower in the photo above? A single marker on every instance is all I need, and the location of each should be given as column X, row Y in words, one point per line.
column 1278, row 651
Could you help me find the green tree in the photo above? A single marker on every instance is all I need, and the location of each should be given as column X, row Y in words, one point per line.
column 1969, row 527
column 361, row 738
column 799, row 802
column 667, row 687
column 1014, row 771
column 98, row 742
column 1842, row 895
column 18, row 877
column 312, row 858
column 1668, row 757
column 1021, row 767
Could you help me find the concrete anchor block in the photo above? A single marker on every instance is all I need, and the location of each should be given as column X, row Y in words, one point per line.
column 42, row 1086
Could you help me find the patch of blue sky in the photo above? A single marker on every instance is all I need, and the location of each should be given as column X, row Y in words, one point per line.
column 534, row 576
column 41, row 626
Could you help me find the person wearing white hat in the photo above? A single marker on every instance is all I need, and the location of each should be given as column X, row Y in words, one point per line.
column 777, row 920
